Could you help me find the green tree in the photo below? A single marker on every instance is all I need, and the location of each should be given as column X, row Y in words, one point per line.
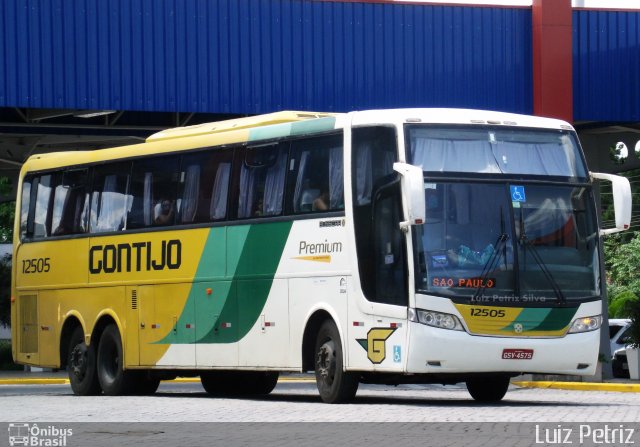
column 622, row 261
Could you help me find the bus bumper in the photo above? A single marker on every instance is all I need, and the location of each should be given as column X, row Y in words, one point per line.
column 434, row 350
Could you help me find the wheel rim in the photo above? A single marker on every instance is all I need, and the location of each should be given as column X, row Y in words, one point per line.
column 78, row 361
column 326, row 362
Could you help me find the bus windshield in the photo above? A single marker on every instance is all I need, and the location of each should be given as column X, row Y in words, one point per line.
column 496, row 150
column 478, row 243
column 487, row 240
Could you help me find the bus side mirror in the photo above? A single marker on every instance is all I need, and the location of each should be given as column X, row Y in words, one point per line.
column 412, row 185
column 621, row 201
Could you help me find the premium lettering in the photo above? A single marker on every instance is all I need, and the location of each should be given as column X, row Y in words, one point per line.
column 312, row 248
column 139, row 256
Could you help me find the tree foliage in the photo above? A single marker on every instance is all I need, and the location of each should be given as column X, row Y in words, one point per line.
column 622, row 262
column 7, row 212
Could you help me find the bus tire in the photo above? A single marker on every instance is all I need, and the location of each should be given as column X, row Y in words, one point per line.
column 81, row 365
column 334, row 384
column 114, row 380
column 217, row 383
column 239, row 383
column 146, row 384
column 488, row 389
column 260, row 382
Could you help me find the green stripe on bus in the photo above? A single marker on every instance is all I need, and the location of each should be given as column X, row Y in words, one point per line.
column 253, row 253
column 260, row 256
column 295, row 128
column 529, row 318
column 558, row 319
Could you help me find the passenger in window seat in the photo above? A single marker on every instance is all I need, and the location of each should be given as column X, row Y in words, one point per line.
column 321, row 203
column 167, row 212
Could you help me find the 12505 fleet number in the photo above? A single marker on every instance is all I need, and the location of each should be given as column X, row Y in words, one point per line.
column 36, row 265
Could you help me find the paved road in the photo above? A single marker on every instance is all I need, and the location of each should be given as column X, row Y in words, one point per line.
column 299, row 402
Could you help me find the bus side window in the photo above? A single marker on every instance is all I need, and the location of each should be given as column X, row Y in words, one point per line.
column 153, row 191
column 70, row 204
column 44, row 202
column 317, row 175
column 25, row 204
column 204, row 186
column 109, row 199
column 261, row 181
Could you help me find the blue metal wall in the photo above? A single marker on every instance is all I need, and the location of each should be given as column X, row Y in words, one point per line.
column 606, row 65
column 254, row 56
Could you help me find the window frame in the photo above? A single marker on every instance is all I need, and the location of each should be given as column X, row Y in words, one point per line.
column 231, row 219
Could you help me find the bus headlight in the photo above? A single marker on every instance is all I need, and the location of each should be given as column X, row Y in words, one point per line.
column 586, row 324
column 435, row 319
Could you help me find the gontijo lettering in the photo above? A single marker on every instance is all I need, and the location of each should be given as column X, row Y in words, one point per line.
column 138, row 256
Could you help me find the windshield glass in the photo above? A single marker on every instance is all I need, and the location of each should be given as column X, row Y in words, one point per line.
column 495, row 150
column 498, row 242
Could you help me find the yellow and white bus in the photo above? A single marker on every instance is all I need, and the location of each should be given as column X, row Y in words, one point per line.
column 390, row 246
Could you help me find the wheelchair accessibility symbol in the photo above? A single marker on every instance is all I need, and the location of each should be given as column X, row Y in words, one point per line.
column 397, row 354
column 517, row 194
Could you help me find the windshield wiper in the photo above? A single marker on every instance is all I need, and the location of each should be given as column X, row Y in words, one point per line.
column 536, row 256
column 490, row 265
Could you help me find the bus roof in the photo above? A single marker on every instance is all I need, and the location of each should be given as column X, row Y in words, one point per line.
column 457, row 116
column 235, row 124
column 281, row 124
column 240, row 130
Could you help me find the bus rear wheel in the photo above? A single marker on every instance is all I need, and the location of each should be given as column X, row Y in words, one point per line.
column 114, row 380
column 488, row 389
column 81, row 365
column 334, row 384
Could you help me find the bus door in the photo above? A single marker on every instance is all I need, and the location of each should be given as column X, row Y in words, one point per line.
column 387, row 338
column 377, row 323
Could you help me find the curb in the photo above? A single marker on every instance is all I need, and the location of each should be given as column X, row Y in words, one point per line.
column 28, row 381
column 582, row 386
column 573, row 386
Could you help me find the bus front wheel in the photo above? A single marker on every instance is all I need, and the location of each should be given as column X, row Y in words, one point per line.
column 334, row 384
column 114, row 380
column 81, row 365
column 488, row 389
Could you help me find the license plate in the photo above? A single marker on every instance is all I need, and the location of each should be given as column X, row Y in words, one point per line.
column 517, row 354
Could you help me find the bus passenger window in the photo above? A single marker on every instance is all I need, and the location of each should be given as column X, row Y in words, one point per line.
column 70, row 204
column 42, row 217
column 109, row 199
column 204, row 186
column 25, row 203
column 262, row 176
column 317, row 175
column 154, row 186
